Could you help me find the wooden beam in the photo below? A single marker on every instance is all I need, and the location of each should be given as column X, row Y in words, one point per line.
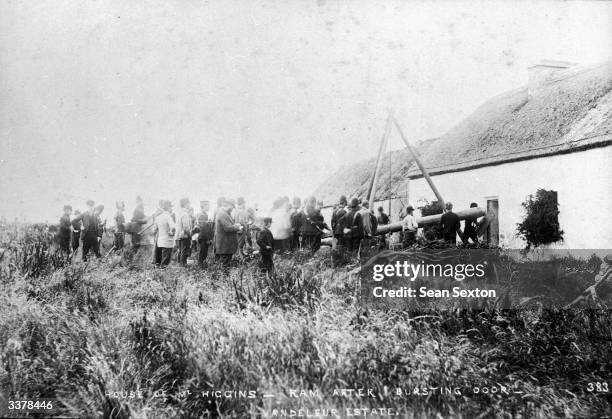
column 381, row 149
column 476, row 212
column 419, row 164
column 431, row 220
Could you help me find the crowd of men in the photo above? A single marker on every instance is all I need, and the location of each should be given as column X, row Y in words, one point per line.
column 236, row 230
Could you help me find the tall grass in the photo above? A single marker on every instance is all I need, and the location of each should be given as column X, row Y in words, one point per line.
column 110, row 340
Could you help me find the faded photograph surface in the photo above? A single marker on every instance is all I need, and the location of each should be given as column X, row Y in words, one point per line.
column 305, row 209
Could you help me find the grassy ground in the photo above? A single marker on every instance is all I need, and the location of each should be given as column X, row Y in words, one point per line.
column 87, row 335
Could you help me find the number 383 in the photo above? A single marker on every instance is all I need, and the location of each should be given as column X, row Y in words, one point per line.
column 598, row 387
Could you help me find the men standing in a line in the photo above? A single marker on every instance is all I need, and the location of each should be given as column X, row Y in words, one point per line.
column 165, row 227
column 205, row 232
column 119, row 226
column 184, row 227
column 265, row 241
column 410, row 227
column 337, row 227
column 63, row 235
column 451, row 225
column 226, row 233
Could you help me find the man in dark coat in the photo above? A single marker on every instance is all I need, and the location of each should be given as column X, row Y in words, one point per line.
column 353, row 226
column 451, row 225
column 337, row 227
column 383, row 218
column 265, row 241
column 312, row 227
column 226, row 233
column 91, row 231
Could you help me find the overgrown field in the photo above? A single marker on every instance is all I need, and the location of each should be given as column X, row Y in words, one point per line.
column 119, row 338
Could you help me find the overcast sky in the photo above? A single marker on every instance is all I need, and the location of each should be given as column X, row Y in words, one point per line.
column 110, row 99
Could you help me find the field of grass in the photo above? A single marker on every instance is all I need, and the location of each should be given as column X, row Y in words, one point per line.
column 119, row 338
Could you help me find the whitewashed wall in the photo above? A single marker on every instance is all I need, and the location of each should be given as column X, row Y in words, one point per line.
column 583, row 181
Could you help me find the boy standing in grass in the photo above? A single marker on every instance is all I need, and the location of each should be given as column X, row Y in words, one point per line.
column 265, row 241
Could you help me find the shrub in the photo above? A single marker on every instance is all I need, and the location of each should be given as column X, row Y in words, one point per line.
column 541, row 222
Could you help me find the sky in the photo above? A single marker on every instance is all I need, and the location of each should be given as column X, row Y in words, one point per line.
column 106, row 100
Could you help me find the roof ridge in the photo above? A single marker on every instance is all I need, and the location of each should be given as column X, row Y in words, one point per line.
column 575, row 71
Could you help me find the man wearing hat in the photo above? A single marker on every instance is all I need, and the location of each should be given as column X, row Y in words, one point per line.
column 184, row 227
column 165, row 227
column 450, row 224
column 370, row 223
column 409, row 227
column 265, row 241
column 226, row 233
column 337, row 215
column 90, row 230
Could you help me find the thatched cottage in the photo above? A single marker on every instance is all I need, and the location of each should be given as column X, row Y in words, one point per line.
column 555, row 133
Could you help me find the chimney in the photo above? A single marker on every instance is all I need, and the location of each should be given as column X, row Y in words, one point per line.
column 542, row 73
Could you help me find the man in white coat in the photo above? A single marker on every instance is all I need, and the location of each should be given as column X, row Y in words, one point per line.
column 184, row 230
column 410, row 227
column 165, row 235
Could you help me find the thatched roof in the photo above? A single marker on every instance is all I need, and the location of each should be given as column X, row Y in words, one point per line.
column 570, row 112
